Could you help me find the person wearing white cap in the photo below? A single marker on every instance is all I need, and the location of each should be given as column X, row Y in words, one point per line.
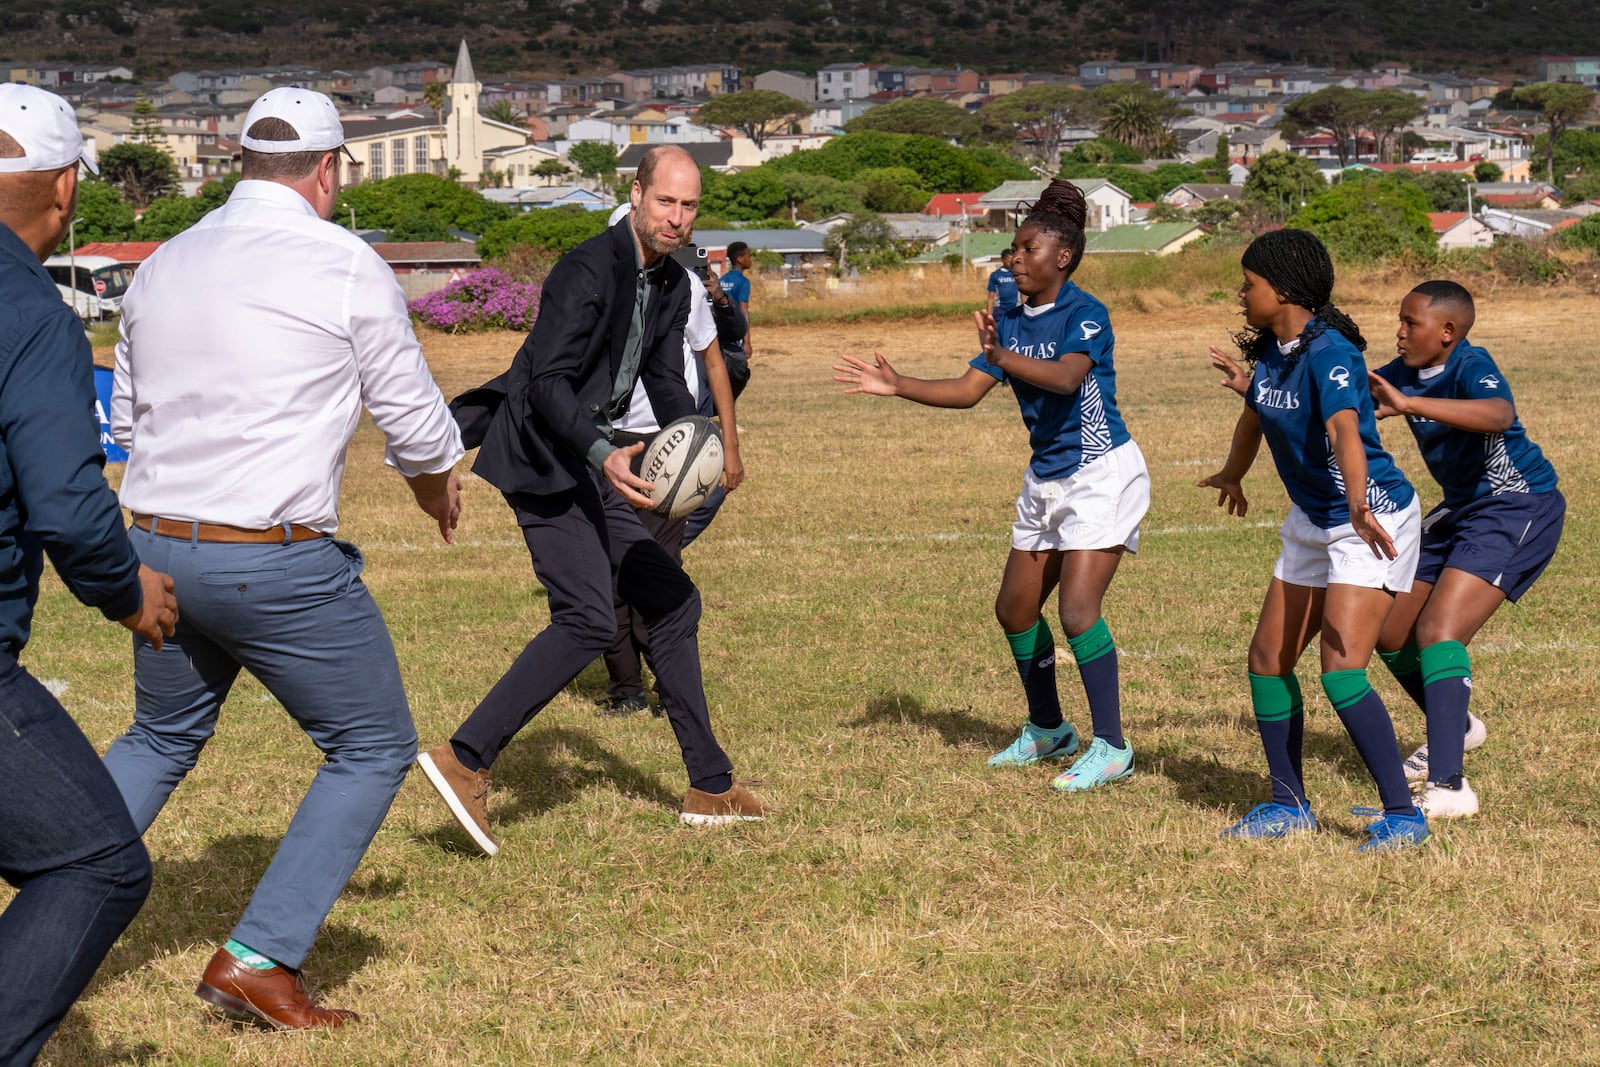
column 249, row 344
column 66, row 843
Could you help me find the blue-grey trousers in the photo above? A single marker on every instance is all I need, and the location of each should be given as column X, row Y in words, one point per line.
column 299, row 618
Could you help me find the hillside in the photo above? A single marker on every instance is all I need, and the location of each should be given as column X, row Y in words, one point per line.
column 555, row 37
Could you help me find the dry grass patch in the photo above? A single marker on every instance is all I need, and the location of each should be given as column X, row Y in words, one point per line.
column 907, row 905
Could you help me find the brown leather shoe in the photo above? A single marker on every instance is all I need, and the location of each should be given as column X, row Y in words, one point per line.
column 738, row 804
column 276, row 998
column 465, row 793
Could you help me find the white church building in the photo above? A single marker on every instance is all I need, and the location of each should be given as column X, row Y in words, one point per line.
column 458, row 140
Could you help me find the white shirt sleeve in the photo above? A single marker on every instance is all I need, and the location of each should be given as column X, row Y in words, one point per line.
column 701, row 331
column 396, row 386
column 121, row 413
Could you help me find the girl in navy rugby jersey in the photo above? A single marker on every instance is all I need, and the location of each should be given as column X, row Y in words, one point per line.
column 1084, row 493
column 1484, row 544
column 1349, row 543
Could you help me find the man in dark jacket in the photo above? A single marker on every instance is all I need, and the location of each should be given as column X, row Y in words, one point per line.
column 66, row 842
column 611, row 313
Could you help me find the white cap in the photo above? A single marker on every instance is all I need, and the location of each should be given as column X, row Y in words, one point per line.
column 619, row 213
column 45, row 126
column 312, row 115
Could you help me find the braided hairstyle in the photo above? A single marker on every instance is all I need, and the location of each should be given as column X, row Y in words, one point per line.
column 1061, row 212
column 1299, row 269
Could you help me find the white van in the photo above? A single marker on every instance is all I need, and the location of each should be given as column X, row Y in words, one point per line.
column 92, row 284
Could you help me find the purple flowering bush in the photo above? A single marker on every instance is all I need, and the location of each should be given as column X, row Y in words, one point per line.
column 487, row 299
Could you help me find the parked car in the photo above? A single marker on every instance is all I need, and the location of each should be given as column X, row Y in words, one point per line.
column 92, row 284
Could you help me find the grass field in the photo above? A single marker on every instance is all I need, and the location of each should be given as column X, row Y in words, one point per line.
column 907, row 904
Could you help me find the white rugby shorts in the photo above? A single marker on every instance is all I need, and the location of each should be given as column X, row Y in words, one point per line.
column 1315, row 557
column 1099, row 505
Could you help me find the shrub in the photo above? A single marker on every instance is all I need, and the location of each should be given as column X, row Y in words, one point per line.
column 488, row 299
column 1528, row 263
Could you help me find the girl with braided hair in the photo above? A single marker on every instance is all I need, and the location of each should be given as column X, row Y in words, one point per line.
column 1350, row 542
column 1084, row 493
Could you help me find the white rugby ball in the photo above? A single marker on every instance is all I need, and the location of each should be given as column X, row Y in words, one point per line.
column 683, row 463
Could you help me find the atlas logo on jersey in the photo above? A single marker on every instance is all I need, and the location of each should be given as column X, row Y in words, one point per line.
column 1268, row 397
column 1091, row 330
column 1489, row 381
column 1340, row 376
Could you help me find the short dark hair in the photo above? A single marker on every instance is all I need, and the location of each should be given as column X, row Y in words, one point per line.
column 737, row 249
column 1449, row 294
column 271, row 165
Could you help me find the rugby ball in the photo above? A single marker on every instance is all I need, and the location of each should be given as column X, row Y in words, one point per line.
column 683, row 463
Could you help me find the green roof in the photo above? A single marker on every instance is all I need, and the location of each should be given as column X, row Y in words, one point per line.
column 979, row 246
column 1138, row 237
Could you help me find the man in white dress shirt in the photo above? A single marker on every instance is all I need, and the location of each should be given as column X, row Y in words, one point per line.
column 248, row 347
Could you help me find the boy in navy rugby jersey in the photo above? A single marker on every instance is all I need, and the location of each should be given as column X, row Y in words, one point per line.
column 1484, row 544
column 1349, row 542
column 1084, row 493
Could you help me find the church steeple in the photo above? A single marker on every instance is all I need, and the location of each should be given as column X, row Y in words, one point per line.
column 461, row 134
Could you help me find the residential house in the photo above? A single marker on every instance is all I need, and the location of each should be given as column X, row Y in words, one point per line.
column 1006, row 204
column 1534, row 194
column 423, row 266
column 1000, row 84
column 1249, row 145
column 845, row 81
column 1457, row 229
column 515, row 165
column 1582, row 69
column 535, row 198
column 955, row 206
column 1532, row 223
column 789, row 83
column 1145, row 238
column 1193, row 194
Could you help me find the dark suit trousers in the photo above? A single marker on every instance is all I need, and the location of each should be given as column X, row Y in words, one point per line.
column 633, row 634
column 588, row 546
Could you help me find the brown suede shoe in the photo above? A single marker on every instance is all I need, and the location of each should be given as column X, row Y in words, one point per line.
column 465, row 792
column 276, row 999
column 719, row 809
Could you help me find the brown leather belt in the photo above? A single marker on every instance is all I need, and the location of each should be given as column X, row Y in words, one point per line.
column 219, row 534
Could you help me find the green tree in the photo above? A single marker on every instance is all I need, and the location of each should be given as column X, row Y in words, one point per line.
column 816, row 196
column 943, row 167
column 891, row 189
column 503, row 110
column 916, row 114
column 866, row 242
column 1369, row 219
column 1577, row 157
column 1102, row 150
column 594, row 159
column 105, row 216
column 556, row 230
column 1142, row 187
column 1387, row 111
column 1342, row 113
column 1585, row 234
column 1041, row 115
column 1445, row 190
column 756, row 113
column 1485, row 171
column 1559, row 104
column 749, row 195
column 551, row 170
column 1281, row 181
column 434, row 95
column 1138, row 116
column 145, row 126
column 140, row 172
column 382, row 204
column 1221, row 160
column 167, row 217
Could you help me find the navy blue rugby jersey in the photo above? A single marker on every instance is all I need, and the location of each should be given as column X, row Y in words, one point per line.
column 1294, row 398
column 1066, row 430
column 1469, row 466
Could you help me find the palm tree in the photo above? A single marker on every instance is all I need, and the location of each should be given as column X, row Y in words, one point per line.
column 1137, row 116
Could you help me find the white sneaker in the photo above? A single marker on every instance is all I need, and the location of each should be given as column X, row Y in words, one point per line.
column 1442, row 802
column 1417, row 763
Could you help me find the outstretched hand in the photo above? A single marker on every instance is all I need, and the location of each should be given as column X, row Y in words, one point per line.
column 1229, row 493
column 1235, row 376
column 988, row 334
column 877, row 378
column 1386, row 399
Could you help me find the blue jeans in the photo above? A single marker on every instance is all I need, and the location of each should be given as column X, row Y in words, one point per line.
column 70, row 850
column 299, row 618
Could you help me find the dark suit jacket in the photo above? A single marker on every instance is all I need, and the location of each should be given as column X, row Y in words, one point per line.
column 536, row 422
